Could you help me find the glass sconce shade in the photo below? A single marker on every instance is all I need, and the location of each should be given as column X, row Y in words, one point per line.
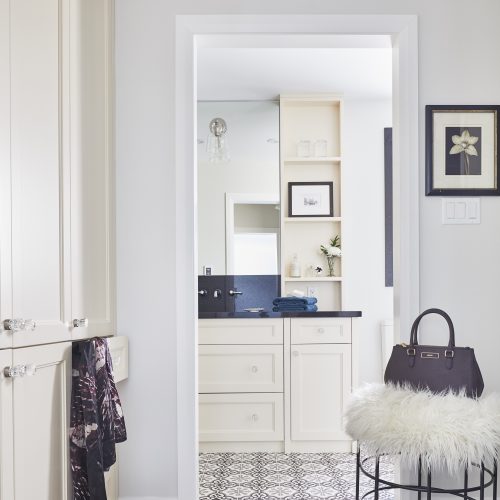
column 216, row 141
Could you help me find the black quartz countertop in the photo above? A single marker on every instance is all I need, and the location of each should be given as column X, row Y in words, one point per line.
column 271, row 314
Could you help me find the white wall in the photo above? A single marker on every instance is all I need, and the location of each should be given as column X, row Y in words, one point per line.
column 459, row 265
column 363, row 236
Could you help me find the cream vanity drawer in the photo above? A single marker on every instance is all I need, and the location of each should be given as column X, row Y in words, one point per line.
column 321, row 330
column 240, row 331
column 245, row 368
column 241, row 417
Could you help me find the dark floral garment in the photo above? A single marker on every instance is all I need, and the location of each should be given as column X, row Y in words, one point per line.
column 96, row 421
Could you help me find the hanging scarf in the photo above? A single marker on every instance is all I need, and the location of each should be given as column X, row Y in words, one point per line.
column 96, row 420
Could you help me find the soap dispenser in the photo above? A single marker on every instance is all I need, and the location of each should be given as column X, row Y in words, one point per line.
column 295, row 271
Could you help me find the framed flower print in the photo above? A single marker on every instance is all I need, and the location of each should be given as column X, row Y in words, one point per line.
column 462, row 150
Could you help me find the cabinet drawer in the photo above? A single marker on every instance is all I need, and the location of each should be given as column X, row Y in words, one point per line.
column 245, row 368
column 241, row 417
column 321, row 331
column 118, row 348
column 240, row 331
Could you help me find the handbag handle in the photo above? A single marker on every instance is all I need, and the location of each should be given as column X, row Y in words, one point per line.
column 413, row 336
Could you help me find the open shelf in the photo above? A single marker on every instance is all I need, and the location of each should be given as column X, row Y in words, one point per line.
column 315, row 278
column 313, row 159
column 313, row 219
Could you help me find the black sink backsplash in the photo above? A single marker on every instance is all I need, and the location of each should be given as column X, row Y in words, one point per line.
column 258, row 291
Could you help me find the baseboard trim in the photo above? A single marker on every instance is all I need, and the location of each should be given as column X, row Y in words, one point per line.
column 147, row 498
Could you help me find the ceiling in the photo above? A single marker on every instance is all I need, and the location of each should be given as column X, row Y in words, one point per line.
column 265, row 72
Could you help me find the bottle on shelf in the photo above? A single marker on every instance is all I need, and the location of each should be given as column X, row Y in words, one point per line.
column 295, row 271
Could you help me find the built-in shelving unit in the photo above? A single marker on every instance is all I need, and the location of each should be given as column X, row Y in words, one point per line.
column 311, row 117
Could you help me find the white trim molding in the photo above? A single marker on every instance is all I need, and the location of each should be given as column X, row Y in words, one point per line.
column 189, row 30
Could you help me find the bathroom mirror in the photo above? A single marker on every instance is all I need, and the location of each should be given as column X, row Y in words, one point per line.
column 238, row 188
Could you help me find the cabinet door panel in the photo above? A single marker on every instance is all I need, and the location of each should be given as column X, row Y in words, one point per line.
column 38, row 273
column 41, row 416
column 5, row 207
column 6, row 430
column 320, row 386
column 92, row 202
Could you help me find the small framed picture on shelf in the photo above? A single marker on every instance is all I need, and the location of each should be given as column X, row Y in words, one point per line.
column 462, row 150
column 310, row 199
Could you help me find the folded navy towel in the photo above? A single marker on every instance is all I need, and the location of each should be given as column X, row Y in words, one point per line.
column 308, row 301
column 303, row 308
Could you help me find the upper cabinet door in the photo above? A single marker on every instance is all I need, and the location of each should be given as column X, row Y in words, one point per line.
column 39, row 171
column 92, row 168
column 5, row 206
column 56, row 170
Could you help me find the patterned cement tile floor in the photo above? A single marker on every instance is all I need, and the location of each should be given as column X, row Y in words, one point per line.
column 294, row 476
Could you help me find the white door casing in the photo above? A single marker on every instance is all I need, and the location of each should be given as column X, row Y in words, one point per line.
column 403, row 29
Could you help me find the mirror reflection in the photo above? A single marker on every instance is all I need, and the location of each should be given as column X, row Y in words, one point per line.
column 238, row 188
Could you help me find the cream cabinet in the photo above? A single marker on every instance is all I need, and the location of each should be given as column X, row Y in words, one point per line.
column 275, row 384
column 240, row 373
column 320, row 382
column 34, row 427
column 56, row 171
column 34, row 421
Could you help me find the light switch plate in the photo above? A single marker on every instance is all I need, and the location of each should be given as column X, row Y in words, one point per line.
column 461, row 210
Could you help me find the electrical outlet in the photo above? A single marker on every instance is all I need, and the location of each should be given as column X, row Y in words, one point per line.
column 311, row 291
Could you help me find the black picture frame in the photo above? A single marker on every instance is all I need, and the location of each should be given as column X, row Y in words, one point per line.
column 452, row 173
column 328, row 204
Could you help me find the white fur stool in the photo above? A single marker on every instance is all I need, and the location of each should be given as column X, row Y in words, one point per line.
column 428, row 432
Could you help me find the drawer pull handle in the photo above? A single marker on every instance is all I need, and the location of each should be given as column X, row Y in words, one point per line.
column 255, row 369
column 255, row 417
column 321, row 330
column 19, row 371
column 19, row 324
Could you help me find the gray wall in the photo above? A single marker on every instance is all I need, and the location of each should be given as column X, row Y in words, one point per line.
column 459, row 43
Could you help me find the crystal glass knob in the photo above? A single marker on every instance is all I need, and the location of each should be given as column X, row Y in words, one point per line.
column 255, row 369
column 19, row 324
column 19, row 371
column 81, row 323
column 295, row 353
column 255, row 417
column 321, row 330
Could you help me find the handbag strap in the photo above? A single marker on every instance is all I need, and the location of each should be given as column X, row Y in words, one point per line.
column 414, row 328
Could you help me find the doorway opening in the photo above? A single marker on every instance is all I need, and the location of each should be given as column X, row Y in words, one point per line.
column 197, row 33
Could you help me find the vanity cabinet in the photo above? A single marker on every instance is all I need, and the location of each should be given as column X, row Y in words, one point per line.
column 56, row 171
column 241, row 384
column 275, row 384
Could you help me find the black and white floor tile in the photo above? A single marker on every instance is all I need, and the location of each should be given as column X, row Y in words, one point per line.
column 293, row 476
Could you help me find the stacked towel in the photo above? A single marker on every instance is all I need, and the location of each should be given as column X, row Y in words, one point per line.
column 292, row 304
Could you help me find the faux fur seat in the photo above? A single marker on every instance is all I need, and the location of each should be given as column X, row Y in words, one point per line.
column 447, row 431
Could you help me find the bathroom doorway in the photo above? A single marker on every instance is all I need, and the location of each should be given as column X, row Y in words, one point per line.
column 405, row 195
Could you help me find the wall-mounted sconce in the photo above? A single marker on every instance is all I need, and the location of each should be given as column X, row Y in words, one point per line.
column 216, row 141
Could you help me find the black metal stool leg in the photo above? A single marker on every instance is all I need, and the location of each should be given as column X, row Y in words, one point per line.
column 481, row 491
column 495, row 477
column 429, row 484
column 358, row 464
column 419, row 494
column 466, row 481
column 377, row 477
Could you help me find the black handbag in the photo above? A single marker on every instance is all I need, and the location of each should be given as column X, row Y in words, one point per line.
column 437, row 368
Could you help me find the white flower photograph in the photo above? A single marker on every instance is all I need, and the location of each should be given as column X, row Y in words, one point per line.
column 461, row 150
